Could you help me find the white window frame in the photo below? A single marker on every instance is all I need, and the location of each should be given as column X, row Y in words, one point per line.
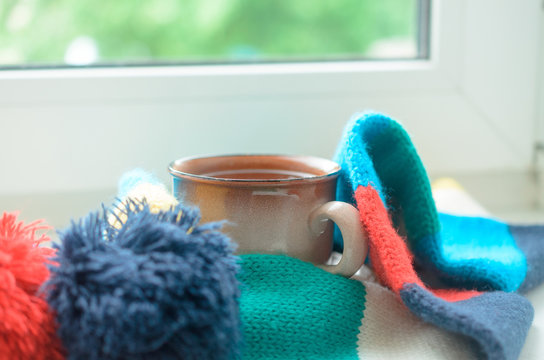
column 471, row 107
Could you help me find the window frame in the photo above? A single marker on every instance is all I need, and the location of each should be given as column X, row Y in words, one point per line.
column 452, row 83
column 95, row 84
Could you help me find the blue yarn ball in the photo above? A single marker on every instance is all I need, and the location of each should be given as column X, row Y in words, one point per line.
column 160, row 287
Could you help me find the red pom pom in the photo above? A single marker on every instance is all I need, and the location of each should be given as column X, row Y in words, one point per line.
column 27, row 325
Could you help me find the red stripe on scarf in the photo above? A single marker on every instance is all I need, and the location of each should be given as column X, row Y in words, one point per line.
column 390, row 257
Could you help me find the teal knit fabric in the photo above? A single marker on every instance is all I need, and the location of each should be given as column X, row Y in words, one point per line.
column 377, row 152
column 293, row 310
column 465, row 241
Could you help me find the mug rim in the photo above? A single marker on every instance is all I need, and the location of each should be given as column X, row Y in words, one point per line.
column 334, row 169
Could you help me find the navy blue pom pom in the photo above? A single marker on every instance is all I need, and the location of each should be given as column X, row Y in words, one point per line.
column 159, row 287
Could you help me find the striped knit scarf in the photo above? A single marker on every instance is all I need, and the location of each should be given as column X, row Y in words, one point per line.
column 461, row 275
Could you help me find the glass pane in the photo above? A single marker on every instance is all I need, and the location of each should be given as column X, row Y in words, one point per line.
column 85, row 32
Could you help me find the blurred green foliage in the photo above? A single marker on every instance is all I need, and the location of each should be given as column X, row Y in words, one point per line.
column 124, row 31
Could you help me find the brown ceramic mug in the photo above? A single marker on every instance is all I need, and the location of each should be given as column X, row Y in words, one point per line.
column 274, row 204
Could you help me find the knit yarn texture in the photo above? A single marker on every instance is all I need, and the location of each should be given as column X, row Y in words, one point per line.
column 459, row 258
column 159, row 287
column 466, row 252
column 291, row 309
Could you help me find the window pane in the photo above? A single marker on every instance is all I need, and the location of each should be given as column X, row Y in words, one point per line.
column 83, row 32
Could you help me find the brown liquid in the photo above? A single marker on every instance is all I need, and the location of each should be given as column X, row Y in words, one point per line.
column 259, row 174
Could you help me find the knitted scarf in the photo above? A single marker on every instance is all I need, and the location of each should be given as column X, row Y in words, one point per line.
column 457, row 272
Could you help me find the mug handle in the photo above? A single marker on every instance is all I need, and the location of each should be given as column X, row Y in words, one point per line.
column 346, row 218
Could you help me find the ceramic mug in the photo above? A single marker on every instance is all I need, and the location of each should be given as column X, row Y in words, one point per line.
column 274, row 204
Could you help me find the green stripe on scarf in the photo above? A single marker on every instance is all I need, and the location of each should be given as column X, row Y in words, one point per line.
column 291, row 309
column 405, row 181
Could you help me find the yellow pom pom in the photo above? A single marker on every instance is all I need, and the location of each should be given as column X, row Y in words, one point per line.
column 156, row 196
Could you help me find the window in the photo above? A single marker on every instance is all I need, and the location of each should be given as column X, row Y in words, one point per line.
column 84, row 32
column 470, row 104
